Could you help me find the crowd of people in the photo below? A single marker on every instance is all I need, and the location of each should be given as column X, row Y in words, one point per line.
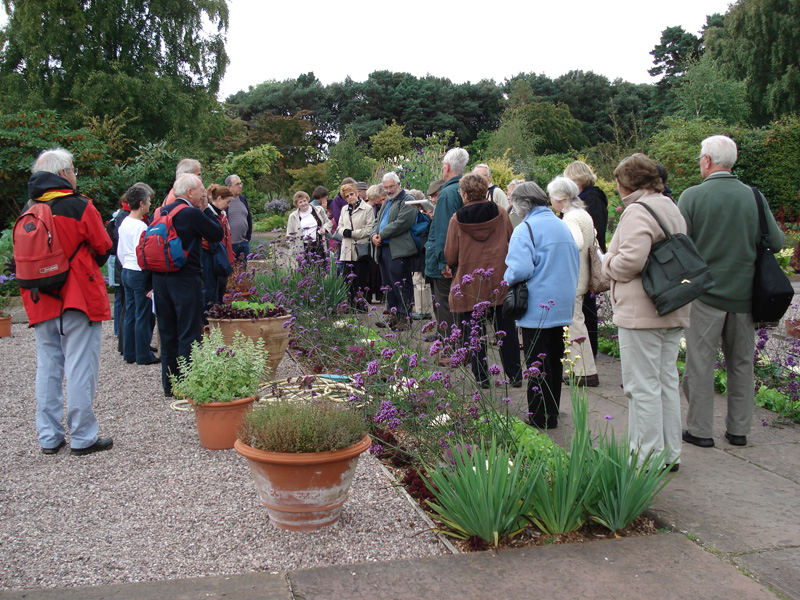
column 449, row 255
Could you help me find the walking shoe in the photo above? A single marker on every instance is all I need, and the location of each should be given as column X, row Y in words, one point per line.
column 584, row 380
column 697, row 441
column 380, row 323
column 420, row 316
column 55, row 449
column 517, row 383
column 100, row 445
column 736, row 440
column 430, row 338
column 399, row 323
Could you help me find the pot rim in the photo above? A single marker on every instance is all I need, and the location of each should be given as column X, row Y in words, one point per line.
column 236, row 402
column 284, row 317
column 302, row 458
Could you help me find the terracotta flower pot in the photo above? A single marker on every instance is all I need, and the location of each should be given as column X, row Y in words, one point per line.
column 303, row 491
column 271, row 330
column 217, row 422
column 5, row 327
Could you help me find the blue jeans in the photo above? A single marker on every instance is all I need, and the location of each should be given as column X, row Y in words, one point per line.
column 138, row 328
column 241, row 250
column 76, row 354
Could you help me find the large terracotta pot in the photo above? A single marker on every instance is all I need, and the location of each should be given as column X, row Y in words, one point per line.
column 271, row 330
column 303, row 491
column 5, row 327
column 217, row 422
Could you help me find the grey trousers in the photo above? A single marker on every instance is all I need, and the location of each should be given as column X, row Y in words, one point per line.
column 650, row 379
column 709, row 328
column 441, row 303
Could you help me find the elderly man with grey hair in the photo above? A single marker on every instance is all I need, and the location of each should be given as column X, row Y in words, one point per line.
column 436, row 269
column 240, row 218
column 179, row 294
column 722, row 219
column 185, row 165
column 394, row 249
column 495, row 193
column 67, row 321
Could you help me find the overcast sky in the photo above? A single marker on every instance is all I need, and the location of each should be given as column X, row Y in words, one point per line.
column 459, row 41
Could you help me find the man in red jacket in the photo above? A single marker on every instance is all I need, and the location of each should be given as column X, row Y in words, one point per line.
column 78, row 310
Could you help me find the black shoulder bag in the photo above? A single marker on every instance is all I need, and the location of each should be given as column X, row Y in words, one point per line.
column 516, row 303
column 772, row 290
column 675, row 273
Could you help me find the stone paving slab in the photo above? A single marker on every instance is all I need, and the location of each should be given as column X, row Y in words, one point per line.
column 777, row 568
column 253, row 586
column 665, row 566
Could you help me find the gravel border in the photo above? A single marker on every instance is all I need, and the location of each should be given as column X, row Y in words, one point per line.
column 158, row 505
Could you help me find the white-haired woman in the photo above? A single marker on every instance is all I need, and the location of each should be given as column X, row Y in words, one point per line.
column 596, row 204
column 564, row 197
column 542, row 253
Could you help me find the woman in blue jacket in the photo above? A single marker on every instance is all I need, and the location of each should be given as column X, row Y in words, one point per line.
column 543, row 252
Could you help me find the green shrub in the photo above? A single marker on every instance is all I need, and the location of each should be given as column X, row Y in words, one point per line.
column 271, row 223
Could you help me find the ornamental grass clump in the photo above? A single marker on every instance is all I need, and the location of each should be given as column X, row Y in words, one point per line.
column 627, row 486
column 286, row 426
column 483, row 493
column 217, row 372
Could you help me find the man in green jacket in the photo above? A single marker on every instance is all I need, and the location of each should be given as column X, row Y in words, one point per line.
column 453, row 165
column 393, row 249
column 722, row 218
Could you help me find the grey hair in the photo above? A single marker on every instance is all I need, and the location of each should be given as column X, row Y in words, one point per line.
column 375, row 191
column 721, row 150
column 141, row 184
column 391, row 175
column 527, row 195
column 457, row 158
column 485, row 166
column 138, row 194
column 229, row 179
column 187, row 165
column 184, row 183
column 52, row 160
column 418, row 195
column 564, row 189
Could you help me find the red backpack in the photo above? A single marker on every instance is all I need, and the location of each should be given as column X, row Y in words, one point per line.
column 160, row 249
column 42, row 265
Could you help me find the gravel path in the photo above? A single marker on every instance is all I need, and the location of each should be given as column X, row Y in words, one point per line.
column 158, row 505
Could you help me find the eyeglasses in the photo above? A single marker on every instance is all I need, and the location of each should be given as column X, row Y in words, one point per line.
column 73, row 170
column 699, row 158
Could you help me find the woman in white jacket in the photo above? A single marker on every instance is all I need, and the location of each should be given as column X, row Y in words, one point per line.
column 307, row 228
column 563, row 194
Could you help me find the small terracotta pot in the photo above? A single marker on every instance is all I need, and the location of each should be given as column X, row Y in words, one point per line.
column 217, row 422
column 303, row 491
column 5, row 327
column 271, row 330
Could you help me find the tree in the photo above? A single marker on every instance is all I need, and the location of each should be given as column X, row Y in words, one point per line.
column 706, row 92
column 587, row 95
column 390, row 142
column 677, row 50
column 758, row 45
column 157, row 54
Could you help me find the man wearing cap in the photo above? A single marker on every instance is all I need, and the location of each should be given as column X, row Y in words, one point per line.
column 362, row 187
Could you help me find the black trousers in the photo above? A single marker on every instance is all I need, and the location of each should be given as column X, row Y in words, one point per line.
column 544, row 349
column 509, row 350
column 590, row 318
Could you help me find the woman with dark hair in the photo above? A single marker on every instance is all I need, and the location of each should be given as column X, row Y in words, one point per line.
column 355, row 224
column 648, row 342
column 596, row 204
column 219, row 199
column 138, row 325
column 543, row 253
column 475, row 250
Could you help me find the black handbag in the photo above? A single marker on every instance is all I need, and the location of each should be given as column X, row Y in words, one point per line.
column 222, row 266
column 675, row 273
column 772, row 290
column 516, row 303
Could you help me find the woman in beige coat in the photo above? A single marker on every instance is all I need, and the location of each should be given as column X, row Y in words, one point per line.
column 648, row 343
column 563, row 194
column 355, row 224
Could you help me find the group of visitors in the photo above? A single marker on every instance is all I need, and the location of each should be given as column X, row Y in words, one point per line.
column 476, row 243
